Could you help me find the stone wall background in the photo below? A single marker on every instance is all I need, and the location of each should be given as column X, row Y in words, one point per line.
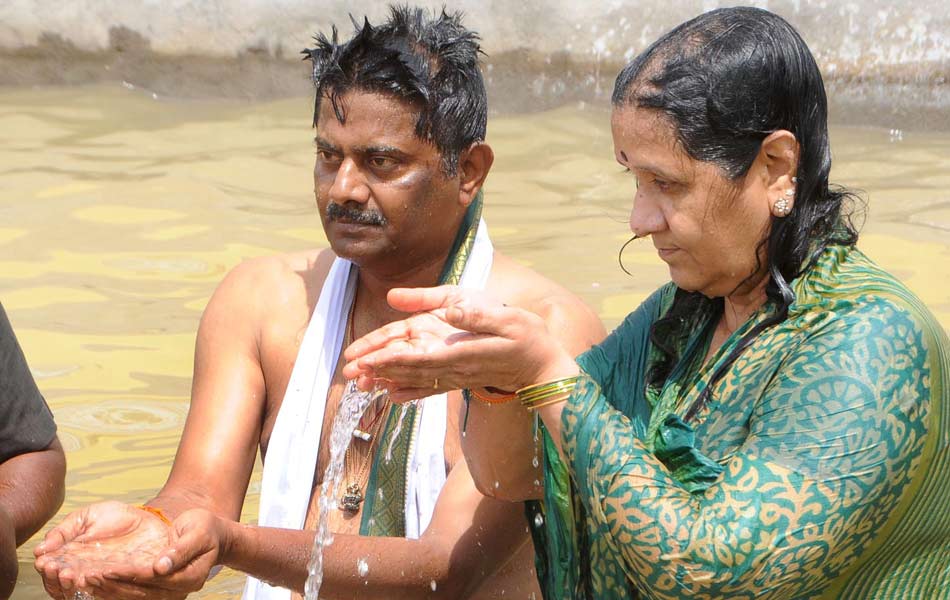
column 890, row 60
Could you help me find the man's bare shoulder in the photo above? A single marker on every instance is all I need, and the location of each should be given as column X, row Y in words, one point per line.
column 265, row 286
column 518, row 285
column 565, row 313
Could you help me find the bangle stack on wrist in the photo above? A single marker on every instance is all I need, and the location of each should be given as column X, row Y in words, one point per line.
column 539, row 395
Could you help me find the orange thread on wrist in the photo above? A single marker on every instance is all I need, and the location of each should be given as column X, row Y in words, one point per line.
column 155, row 511
column 492, row 399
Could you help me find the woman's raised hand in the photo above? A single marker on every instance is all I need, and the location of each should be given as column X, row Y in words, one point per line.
column 456, row 338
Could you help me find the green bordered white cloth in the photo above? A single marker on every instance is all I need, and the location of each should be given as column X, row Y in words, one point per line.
column 290, row 465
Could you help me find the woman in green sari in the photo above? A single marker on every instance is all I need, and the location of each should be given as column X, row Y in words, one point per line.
column 771, row 424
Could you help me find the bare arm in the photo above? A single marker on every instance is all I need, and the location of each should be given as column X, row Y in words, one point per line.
column 469, row 538
column 32, row 487
column 31, row 490
column 500, row 446
column 215, row 456
column 219, row 443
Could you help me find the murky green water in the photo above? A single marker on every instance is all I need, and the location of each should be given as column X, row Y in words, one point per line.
column 119, row 213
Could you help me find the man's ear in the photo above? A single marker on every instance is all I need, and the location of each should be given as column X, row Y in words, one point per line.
column 474, row 164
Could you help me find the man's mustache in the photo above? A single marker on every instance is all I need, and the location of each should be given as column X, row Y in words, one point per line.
column 336, row 212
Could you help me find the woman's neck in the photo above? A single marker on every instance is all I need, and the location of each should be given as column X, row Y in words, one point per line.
column 741, row 305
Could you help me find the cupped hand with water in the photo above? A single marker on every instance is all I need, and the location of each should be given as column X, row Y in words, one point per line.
column 126, row 556
column 455, row 339
column 90, row 542
column 193, row 546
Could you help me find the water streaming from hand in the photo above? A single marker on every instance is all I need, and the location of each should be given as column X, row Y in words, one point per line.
column 352, row 405
column 119, row 253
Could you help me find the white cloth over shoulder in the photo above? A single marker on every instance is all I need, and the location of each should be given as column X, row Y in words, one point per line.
column 292, row 450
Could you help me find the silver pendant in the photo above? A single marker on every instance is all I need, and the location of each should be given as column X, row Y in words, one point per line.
column 352, row 499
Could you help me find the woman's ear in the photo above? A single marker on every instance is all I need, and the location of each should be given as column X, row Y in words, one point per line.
column 778, row 164
column 474, row 164
column 779, row 157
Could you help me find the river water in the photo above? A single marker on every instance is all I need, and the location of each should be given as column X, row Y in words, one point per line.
column 119, row 213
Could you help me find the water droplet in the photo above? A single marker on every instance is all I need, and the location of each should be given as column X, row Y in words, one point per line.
column 538, row 520
column 362, row 567
column 433, row 585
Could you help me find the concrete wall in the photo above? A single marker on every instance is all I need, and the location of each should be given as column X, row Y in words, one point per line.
column 885, row 62
column 844, row 35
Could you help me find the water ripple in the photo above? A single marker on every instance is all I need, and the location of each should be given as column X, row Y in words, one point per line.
column 122, row 416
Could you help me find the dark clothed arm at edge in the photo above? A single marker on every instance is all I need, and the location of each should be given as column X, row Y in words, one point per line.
column 32, row 463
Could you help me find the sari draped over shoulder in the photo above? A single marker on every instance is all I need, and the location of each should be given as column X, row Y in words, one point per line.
column 819, row 468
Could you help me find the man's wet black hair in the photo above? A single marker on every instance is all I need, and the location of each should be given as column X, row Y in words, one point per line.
column 725, row 80
column 428, row 61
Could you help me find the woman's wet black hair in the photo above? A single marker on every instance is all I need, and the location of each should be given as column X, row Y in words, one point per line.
column 725, row 80
column 430, row 62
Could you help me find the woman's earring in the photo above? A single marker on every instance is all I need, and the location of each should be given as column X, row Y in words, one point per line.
column 782, row 206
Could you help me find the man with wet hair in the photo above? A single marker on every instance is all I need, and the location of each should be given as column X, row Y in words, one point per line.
column 32, row 463
column 400, row 118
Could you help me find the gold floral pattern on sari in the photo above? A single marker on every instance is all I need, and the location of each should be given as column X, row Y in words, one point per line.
column 824, row 441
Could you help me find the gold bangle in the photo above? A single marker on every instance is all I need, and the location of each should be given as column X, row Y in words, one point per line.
column 549, row 402
column 545, row 399
column 534, row 394
column 502, row 399
column 155, row 511
column 530, row 390
column 529, row 403
column 537, row 393
column 538, row 399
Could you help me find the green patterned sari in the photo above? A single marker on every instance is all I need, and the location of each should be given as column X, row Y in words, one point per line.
column 819, row 468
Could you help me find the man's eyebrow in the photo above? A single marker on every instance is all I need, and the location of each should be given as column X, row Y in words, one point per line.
column 322, row 143
column 381, row 149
